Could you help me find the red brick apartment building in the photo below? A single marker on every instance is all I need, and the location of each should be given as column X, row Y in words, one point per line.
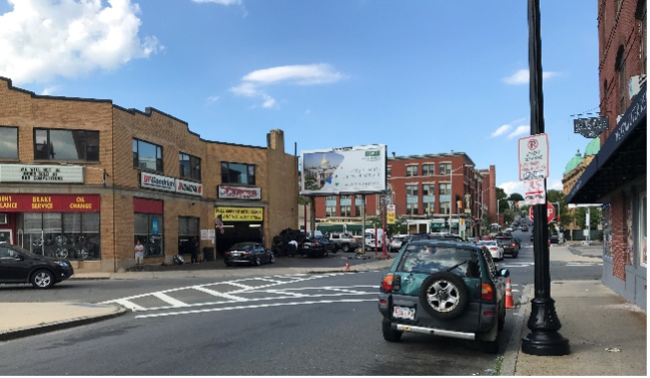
column 429, row 190
column 82, row 179
column 617, row 175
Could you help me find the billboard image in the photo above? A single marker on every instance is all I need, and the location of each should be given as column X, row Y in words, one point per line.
column 360, row 169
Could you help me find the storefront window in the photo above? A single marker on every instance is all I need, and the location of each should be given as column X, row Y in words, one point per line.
column 148, row 229
column 71, row 236
column 643, row 228
column 188, row 234
column 8, row 142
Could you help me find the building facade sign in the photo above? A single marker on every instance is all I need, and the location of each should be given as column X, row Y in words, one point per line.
column 152, row 181
column 189, row 187
column 239, row 214
column 590, row 127
column 236, row 192
column 34, row 173
column 26, row 203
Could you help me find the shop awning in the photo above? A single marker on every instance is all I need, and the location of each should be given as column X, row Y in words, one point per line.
column 330, row 227
column 621, row 159
column 352, row 228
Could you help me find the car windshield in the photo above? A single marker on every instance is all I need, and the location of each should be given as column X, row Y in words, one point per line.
column 428, row 259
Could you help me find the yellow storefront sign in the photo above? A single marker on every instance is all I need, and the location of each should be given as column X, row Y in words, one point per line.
column 390, row 217
column 239, row 214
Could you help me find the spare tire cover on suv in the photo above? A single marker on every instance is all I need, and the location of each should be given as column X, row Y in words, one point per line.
column 444, row 295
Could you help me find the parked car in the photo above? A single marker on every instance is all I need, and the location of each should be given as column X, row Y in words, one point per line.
column 444, row 288
column 344, row 241
column 18, row 265
column 396, row 243
column 313, row 247
column 509, row 245
column 495, row 250
column 252, row 253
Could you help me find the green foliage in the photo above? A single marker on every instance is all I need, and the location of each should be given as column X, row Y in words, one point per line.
column 595, row 218
column 399, row 227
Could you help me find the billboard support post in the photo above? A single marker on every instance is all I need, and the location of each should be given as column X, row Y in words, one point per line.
column 363, row 225
column 312, row 215
column 384, row 214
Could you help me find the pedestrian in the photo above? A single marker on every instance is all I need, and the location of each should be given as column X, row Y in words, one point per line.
column 139, row 254
column 195, row 251
column 293, row 247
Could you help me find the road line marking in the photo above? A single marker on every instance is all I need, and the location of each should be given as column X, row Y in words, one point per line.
column 254, row 307
column 219, row 294
column 172, row 301
column 130, row 305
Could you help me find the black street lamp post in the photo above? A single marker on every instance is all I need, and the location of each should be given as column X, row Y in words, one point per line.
column 544, row 339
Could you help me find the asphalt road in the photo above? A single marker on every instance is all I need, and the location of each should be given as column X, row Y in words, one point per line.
column 275, row 325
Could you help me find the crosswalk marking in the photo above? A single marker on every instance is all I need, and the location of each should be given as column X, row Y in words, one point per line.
column 172, row 301
column 218, row 293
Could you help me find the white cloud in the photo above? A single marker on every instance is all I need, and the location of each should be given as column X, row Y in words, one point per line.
column 254, row 83
column 521, row 130
column 221, row 2
column 41, row 40
column 552, row 183
column 48, row 91
column 213, row 99
column 512, row 187
column 500, row 131
column 523, row 76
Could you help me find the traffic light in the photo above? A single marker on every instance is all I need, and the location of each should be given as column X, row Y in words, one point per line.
column 446, row 223
column 459, row 204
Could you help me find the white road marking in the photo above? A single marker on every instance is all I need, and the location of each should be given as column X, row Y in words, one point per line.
column 172, row 301
column 218, row 294
column 253, row 307
column 130, row 305
column 245, row 287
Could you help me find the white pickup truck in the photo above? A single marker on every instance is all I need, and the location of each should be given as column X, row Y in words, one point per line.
column 344, row 241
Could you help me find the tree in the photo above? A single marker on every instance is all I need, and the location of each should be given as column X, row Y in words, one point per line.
column 399, row 227
column 555, row 197
column 595, row 218
column 501, row 202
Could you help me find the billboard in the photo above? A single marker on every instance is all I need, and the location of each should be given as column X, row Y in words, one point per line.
column 359, row 169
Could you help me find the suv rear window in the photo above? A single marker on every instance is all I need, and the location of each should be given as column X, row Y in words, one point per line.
column 428, row 259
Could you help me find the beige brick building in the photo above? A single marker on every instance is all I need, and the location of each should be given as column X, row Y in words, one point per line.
column 83, row 178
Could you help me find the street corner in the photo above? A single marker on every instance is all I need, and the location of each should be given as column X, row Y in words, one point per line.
column 39, row 318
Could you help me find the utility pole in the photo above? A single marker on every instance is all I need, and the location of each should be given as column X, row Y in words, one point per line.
column 544, row 339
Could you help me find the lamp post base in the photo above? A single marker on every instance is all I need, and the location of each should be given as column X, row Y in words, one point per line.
column 544, row 340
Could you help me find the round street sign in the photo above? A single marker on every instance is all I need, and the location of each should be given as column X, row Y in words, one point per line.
column 550, row 212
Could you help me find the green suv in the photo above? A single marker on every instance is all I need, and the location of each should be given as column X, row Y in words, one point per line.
column 444, row 288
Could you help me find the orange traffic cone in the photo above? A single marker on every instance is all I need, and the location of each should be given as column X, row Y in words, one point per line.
column 509, row 301
column 347, row 266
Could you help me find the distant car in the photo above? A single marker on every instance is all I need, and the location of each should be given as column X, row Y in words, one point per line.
column 509, row 245
column 18, row 265
column 396, row 243
column 315, row 247
column 472, row 240
column 444, row 288
column 524, row 228
column 495, row 250
column 554, row 239
column 344, row 241
column 252, row 253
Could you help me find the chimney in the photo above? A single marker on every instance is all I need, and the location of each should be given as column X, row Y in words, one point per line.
column 275, row 140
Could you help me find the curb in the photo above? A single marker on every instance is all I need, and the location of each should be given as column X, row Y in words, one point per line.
column 510, row 357
column 57, row 326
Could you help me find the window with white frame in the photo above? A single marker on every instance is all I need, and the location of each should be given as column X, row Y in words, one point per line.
column 428, row 189
column 330, row 211
column 445, row 188
column 389, row 171
column 445, row 168
column 412, row 190
column 643, row 229
column 428, row 170
column 411, row 170
column 412, row 209
column 445, row 207
column 429, row 208
column 346, row 211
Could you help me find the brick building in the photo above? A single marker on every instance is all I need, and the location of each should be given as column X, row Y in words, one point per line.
column 83, row 178
column 617, row 176
column 430, row 191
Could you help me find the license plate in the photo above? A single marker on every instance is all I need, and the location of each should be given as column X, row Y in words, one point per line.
column 400, row 312
column 235, row 254
column 306, row 247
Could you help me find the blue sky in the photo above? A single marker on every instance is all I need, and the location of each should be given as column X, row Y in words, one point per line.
column 421, row 76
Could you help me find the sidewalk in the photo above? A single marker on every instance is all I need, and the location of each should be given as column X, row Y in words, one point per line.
column 26, row 319
column 607, row 335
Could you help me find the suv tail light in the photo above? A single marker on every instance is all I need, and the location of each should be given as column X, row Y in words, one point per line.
column 387, row 283
column 513, row 245
column 487, row 292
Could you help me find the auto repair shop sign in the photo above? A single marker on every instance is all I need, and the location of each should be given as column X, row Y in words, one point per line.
column 234, row 192
column 189, row 187
column 151, row 181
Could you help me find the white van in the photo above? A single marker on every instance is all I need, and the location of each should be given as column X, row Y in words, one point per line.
column 370, row 238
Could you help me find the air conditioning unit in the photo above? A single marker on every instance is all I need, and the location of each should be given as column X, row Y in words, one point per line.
column 635, row 84
column 3, row 219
